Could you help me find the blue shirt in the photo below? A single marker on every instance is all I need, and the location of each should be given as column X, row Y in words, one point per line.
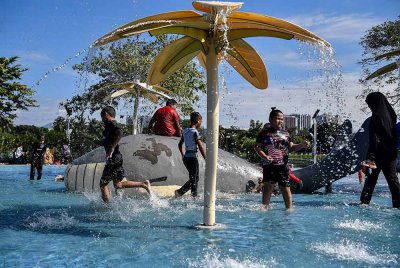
column 190, row 137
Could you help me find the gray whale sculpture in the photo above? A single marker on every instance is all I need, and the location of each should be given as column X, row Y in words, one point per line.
column 152, row 156
column 344, row 160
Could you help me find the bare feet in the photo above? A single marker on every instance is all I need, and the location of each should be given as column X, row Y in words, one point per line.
column 264, row 208
column 147, row 186
column 369, row 163
column 177, row 194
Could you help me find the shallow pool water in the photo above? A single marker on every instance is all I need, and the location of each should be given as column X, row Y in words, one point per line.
column 41, row 225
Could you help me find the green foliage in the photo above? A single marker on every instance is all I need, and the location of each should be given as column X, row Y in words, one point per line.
column 301, row 135
column 60, row 124
column 130, row 61
column 249, row 152
column 20, row 135
column 378, row 40
column 85, row 136
column 122, row 62
column 254, row 129
column 13, row 95
column 55, row 138
column 239, row 141
column 7, row 142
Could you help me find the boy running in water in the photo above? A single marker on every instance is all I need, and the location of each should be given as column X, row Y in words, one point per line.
column 113, row 170
column 273, row 145
column 192, row 141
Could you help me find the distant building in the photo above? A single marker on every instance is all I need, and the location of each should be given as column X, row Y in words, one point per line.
column 305, row 121
column 290, row 122
column 328, row 118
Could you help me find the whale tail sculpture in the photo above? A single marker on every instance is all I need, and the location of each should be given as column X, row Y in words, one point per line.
column 153, row 156
column 344, row 159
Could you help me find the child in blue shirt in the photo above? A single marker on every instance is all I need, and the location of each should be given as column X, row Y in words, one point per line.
column 192, row 142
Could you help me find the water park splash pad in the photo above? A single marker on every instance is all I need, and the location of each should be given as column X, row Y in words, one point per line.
column 216, row 34
column 78, row 230
column 152, row 156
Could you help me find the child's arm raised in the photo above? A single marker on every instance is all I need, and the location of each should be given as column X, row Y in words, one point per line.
column 299, row 146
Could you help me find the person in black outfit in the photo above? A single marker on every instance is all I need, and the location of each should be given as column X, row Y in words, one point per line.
column 382, row 150
column 113, row 170
column 38, row 150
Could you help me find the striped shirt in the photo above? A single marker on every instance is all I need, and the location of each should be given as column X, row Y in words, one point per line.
column 275, row 143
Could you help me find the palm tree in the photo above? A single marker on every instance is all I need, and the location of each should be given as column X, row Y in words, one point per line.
column 216, row 34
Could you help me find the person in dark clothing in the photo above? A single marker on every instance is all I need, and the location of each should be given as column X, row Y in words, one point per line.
column 382, row 150
column 113, row 170
column 37, row 153
column 192, row 141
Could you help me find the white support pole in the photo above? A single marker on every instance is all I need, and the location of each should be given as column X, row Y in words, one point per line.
column 315, row 141
column 212, row 136
column 315, row 136
column 68, row 133
column 135, row 112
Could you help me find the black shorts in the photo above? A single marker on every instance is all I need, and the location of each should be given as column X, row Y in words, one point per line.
column 279, row 174
column 113, row 170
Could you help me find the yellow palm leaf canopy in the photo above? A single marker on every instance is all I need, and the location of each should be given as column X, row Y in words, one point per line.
column 131, row 88
column 385, row 69
column 198, row 28
column 389, row 54
column 172, row 58
column 217, row 33
column 215, row 6
column 246, row 61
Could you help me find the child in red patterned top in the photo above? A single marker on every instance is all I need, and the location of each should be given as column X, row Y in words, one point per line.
column 273, row 145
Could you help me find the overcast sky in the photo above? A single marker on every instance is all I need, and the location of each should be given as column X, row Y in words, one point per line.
column 49, row 34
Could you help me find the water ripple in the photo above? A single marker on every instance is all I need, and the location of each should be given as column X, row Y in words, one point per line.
column 352, row 251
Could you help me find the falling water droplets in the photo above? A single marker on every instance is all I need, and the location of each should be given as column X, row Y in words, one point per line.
column 58, row 68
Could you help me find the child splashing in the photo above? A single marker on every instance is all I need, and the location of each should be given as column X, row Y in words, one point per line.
column 272, row 145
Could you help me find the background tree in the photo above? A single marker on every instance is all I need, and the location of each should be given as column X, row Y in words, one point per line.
column 13, row 95
column 131, row 60
column 254, row 129
column 60, row 124
column 122, row 62
column 378, row 40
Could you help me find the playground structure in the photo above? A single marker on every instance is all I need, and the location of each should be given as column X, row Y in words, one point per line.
column 216, row 34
